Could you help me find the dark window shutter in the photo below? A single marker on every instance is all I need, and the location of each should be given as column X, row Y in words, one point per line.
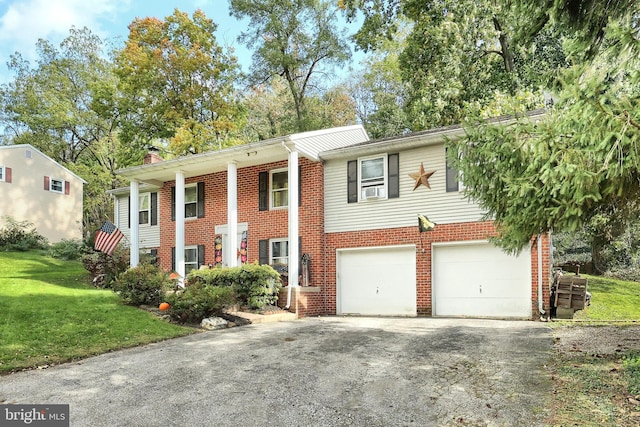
column 451, row 176
column 173, row 203
column 201, row 200
column 200, row 255
column 393, row 169
column 67, row 188
column 352, row 181
column 154, row 208
column 263, row 252
column 46, row 183
column 129, row 210
column 7, row 175
column 263, row 191
column 299, row 185
column 173, row 258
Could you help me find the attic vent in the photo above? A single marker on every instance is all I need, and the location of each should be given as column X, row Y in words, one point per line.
column 27, row 154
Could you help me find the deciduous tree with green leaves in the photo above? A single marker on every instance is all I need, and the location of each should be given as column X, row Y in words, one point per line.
column 177, row 84
column 271, row 113
column 64, row 106
column 458, row 56
column 297, row 40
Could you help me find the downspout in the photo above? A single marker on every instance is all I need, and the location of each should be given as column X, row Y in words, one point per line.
column 540, row 296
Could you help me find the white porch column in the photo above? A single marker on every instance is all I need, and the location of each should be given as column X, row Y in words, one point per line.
column 294, row 250
column 134, row 228
column 179, row 254
column 232, row 212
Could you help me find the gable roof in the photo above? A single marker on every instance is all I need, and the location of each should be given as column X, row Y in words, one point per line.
column 34, row 149
column 308, row 144
column 415, row 139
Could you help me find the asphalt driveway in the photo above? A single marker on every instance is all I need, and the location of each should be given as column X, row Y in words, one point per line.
column 328, row 371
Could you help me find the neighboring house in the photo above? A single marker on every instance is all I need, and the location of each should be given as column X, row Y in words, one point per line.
column 35, row 188
column 351, row 206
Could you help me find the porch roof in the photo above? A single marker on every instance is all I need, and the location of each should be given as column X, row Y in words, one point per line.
column 308, row 144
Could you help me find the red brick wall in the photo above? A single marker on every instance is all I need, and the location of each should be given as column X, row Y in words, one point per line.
column 305, row 301
column 410, row 235
column 321, row 247
column 261, row 224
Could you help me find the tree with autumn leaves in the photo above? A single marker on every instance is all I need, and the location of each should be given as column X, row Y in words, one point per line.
column 176, row 85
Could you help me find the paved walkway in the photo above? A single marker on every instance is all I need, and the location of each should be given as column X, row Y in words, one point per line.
column 328, row 371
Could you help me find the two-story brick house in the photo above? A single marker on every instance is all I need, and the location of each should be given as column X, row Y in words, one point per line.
column 351, row 205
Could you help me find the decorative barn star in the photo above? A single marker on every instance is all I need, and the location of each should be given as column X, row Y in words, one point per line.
column 422, row 177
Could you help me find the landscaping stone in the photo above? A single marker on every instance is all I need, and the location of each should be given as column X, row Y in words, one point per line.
column 211, row 323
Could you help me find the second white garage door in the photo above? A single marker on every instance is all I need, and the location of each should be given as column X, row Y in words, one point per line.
column 376, row 281
column 480, row 280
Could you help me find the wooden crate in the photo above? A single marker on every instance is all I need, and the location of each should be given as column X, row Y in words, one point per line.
column 571, row 292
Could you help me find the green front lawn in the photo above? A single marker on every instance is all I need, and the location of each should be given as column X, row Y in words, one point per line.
column 50, row 313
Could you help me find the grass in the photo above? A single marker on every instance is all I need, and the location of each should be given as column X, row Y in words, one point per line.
column 611, row 300
column 51, row 314
column 594, row 389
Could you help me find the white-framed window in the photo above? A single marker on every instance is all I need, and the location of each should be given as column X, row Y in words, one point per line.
column 279, row 188
column 2, row 174
column 372, row 177
column 144, row 211
column 190, row 259
column 191, row 201
column 278, row 251
column 56, row 185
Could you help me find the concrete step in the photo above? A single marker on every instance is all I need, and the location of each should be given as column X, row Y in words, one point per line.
column 264, row 318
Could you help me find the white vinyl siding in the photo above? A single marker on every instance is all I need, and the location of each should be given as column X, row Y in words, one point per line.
column 440, row 206
column 149, row 235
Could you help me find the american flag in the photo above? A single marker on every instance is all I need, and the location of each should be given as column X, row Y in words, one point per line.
column 108, row 238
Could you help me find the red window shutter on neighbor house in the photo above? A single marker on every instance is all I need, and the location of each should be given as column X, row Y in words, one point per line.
column 67, row 187
column 46, row 183
column 7, row 175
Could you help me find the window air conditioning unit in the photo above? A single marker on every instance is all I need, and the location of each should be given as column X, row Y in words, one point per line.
column 373, row 192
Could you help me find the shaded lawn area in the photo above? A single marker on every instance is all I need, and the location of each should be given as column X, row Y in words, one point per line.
column 51, row 314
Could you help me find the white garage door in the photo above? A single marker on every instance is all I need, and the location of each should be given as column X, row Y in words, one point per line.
column 480, row 280
column 377, row 281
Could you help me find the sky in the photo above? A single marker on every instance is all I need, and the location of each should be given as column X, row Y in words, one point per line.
column 23, row 22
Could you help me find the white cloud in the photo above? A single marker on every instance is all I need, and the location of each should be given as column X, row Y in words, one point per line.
column 23, row 22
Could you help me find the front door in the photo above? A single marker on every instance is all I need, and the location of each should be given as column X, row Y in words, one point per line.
column 241, row 254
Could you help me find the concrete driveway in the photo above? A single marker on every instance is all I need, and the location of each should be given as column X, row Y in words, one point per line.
column 328, row 371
